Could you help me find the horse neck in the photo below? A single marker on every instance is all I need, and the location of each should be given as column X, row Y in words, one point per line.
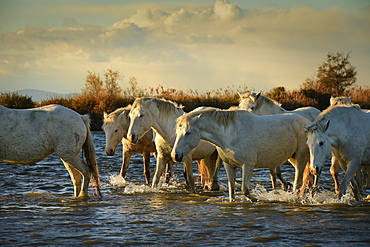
column 210, row 131
column 124, row 121
column 266, row 106
column 165, row 124
column 268, row 109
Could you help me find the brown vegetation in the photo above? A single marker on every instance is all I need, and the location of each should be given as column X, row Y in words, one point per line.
column 103, row 93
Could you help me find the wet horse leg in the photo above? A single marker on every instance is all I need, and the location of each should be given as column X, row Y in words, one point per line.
column 188, row 163
column 334, row 173
column 231, row 174
column 161, row 164
column 350, row 170
column 146, row 156
column 247, row 171
column 276, row 172
column 77, row 170
column 126, row 157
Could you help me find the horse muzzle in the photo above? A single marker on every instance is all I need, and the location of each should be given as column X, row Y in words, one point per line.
column 177, row 157
column 134, row 138
column 316, row 170
column 110, row 151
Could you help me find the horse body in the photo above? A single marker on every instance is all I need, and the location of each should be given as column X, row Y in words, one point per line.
column 115, row 127
column 161, row 115
column 245, row 140
column 262, row 105
column 29, row 136
column 344, row 131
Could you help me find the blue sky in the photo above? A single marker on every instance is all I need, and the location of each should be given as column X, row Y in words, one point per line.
column 50, row 45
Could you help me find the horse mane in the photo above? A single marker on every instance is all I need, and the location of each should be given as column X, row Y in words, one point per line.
column 164, row 106
column 111, row 117
column 222, row 117
column 262, row 99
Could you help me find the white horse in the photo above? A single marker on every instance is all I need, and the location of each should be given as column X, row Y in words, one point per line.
column 29, row 136
column 115, row 128
column 161, row 115
column 341, row 100
column 245, row 140
column 347, row 137
column 263, row 105
column 363, row 174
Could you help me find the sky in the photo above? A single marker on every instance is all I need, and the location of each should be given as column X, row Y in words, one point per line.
column 202, row 45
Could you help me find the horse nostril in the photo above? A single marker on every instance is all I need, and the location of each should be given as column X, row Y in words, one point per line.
column 178, row 157
column 110, row 152
column 133, row 138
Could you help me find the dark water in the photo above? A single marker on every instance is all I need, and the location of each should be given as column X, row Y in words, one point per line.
column 37, row 208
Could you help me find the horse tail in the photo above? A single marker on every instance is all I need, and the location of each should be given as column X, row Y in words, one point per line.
column 90, row 155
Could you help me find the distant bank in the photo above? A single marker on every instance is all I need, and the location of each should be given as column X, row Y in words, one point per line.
column 39, row 95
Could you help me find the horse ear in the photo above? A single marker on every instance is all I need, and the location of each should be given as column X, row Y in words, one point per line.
column 327, row 125
column 105, row 115
column 258, row 95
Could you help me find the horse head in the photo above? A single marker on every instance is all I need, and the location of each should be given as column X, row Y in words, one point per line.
column 141, row 118
column 115, row 128
column 248, row 101
column 319, row 145
column 187, row 136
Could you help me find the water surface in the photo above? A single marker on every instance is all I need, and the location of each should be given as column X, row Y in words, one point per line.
column 37, row 208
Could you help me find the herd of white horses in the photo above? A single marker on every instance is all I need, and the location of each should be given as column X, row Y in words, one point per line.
column 257, row 133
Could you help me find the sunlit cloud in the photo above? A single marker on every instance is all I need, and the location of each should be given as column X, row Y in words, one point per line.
column 189, row 46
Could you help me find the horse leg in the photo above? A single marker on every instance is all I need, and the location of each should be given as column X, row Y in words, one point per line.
column 273, row 177
column 168, row 174
column 299, row 164
column 77, row 169
column 334, row 173
column 350, row 170
column 75, row 177
column 211, row 164
column 203, row 174
column 359, row 179
column 146, row 156
column 307, row 180
column 230, row 172
column 161, row 164
column 247, row 171
column 126, row 156
column 188, row 163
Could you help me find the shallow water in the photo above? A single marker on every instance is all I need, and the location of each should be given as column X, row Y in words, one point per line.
column 37, row 208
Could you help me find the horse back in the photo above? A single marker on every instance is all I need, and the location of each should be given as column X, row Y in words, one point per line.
column 28, row 136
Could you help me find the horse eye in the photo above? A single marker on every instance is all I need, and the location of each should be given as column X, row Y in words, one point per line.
column 321, row 143
column 187, row 133
column 116, row 131
column 252, row 108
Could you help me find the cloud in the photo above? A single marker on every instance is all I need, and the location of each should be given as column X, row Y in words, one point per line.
column 197, row 46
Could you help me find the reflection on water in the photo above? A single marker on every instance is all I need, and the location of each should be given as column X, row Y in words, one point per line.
column 37, row 208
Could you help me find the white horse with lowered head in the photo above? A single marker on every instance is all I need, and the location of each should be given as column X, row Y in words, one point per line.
column 161, row 115
column 115, row 128
column 344, row 131
column 29, row 136
column 245, row 140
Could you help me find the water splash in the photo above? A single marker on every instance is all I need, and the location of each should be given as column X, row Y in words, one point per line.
column 131, row 188
column 117, row 180
column 319, row 197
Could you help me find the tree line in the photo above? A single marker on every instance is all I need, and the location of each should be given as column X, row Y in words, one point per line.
column 336, row 76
